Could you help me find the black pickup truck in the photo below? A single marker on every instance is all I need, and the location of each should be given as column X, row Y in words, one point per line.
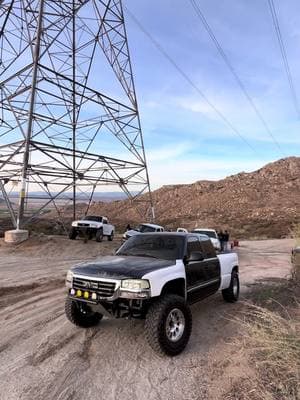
column 153, row 276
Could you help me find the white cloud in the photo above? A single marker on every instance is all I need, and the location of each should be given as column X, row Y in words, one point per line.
column 194, row 105
column 172, row 151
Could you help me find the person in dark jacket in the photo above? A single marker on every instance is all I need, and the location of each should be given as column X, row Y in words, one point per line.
column 226, row 240
column 221, row 238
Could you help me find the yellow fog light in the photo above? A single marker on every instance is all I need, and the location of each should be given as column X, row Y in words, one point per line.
column 86, row 295
column 79, row 293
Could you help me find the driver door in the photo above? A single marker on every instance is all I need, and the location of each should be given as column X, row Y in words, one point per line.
column 196, row 272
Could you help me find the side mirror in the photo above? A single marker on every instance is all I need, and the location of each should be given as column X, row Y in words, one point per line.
column 196, row 256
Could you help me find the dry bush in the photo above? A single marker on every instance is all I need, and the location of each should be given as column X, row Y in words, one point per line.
column 296, row 258
column 295, row 272
column 296, row 234
column 275, row 344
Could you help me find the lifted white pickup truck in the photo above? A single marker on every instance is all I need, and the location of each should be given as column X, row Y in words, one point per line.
column 92, row 226
column 154, row 276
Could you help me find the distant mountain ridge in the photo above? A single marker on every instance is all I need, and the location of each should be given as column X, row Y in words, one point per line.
column 263, row 203
column 104, row 196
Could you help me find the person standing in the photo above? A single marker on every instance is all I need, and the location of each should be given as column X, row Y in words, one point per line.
column 226, row 240
column 221, row 238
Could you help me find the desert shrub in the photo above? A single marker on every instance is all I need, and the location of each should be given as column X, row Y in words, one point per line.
column 296, row 258
column 274, row 341
column 295, row 232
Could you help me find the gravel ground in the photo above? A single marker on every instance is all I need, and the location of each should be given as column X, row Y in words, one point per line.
column 43, row 356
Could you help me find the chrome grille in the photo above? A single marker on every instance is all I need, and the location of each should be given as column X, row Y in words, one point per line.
column 102, row 288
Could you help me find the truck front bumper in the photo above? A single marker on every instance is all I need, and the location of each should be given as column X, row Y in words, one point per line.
column 92, row 297
column 85, row 229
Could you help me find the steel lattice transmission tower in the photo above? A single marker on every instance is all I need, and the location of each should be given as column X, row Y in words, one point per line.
column 59, row 133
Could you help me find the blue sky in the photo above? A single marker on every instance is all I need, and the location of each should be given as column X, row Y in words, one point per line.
column 185, row 139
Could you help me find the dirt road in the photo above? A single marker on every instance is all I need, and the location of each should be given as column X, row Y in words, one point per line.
column 43, row 356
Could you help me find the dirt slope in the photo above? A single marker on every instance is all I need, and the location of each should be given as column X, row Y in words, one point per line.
column 264, row 203
column 45, row 357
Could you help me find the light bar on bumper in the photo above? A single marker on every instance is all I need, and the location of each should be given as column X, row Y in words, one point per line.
column 135, row 289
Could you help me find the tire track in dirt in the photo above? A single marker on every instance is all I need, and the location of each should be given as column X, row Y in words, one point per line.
column 49, row 347
column 63, row 384
column 84, row 353
column 13, row 294
column 19, row 328
column 24, row 304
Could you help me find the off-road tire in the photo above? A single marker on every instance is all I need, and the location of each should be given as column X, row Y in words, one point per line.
column 99, row 235
column 80, row 314
column 90, row 235
column 72, row 234
column 231, row 294
column 111, row 236
column 155, row 325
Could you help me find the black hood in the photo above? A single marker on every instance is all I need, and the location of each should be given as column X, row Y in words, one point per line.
column 121, row 267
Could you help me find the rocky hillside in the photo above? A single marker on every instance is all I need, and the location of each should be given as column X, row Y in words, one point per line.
column 264, row 203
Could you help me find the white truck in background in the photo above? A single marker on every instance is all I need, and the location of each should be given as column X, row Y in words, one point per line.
column 92, row 226
column 182, row 230
column 143, row 228
column 212, row 234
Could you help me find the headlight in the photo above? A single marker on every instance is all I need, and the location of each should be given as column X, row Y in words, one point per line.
column 135, row 284
column 69, row 279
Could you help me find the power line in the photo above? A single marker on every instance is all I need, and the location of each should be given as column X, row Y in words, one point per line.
column 233, row 71
column 188, row 79
column 284, row 56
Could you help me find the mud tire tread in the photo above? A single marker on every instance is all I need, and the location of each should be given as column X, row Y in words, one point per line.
column 77, row 318
column 155, row 325
column 99, row 235
column 228, row 294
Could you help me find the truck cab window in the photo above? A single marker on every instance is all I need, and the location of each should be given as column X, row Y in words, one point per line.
column 208, row 249
column 193, row 245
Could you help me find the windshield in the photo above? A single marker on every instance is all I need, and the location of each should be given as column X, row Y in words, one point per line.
column 210, row 234
column 166, row 247
column 92, row 218
column 145, row 228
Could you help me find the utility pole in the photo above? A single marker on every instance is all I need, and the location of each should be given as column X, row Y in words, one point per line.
column 36, row 57
column 65, row 134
